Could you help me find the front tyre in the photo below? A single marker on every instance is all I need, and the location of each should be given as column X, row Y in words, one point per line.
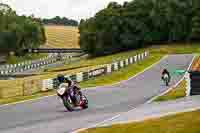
column 167, row 83
column 166, row 79
column 68, row 105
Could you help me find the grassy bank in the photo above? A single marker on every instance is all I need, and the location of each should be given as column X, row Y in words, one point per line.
column 176, row 48
column 180, row 123
column 23, row 98
column 175, row 93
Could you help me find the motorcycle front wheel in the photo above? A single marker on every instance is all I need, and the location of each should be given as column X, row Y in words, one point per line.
column 68, row 105
column 166, row 80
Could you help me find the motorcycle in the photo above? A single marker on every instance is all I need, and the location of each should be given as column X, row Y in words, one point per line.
column 72, row 98
column 166, row 79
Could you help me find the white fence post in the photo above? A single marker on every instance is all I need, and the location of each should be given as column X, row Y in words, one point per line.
column 115, row 66
column 131, row 60
column 47, row 85
column 127, row 62
column 139, row 57
column 135, row 58
column 142, row 56
column 146, row 53
column 121, row 63
column 79, row 77
column 109, row 68
column 188, row 84
column 6, row 72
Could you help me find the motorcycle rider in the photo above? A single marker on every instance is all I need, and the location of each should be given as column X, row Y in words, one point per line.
column 165, row 71
column 72, row 89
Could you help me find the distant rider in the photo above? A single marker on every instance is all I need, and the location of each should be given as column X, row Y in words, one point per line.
column 165, row 71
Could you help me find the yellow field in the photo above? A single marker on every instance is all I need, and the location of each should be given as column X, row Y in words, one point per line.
column 62, row 37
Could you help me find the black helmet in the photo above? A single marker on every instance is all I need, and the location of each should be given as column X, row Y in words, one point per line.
column 61, row 78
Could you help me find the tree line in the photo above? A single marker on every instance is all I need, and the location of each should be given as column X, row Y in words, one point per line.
column 19, row 32
column 60, row 21
column 140, row 23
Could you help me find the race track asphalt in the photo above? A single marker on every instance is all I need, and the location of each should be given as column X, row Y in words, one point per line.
column 48, row 115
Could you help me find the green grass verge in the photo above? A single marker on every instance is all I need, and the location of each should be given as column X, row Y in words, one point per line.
column 175, row 93
column 180, row 123
column 23, row 98
column 114, row 77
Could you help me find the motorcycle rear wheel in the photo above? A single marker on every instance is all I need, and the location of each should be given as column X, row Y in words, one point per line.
column 167, row 84
column 85, row 105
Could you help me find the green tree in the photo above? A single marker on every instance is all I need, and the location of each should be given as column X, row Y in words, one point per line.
column 140, row 23
column 19, row 32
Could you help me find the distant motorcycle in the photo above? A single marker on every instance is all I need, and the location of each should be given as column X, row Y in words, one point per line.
column 72, row 99
column 166, row 79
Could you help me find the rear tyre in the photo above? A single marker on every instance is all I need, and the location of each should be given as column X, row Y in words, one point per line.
column 85, row 105
column 67, row 104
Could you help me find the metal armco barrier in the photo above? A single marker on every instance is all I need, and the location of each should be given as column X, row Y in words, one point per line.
column 97, row 72
column 21, row 67
column 53, row 50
